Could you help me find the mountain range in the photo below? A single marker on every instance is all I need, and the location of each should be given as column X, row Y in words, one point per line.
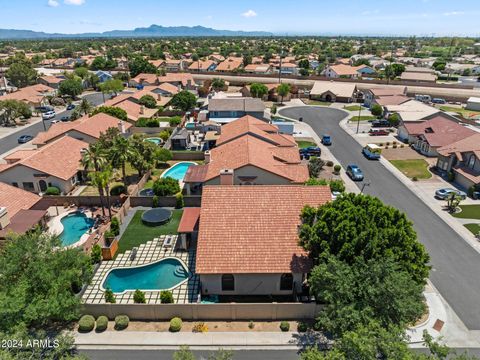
column 151, row 31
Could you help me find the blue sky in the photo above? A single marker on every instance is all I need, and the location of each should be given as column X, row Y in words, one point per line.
column 363, row 17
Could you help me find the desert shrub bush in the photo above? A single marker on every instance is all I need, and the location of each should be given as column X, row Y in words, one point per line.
column 166, row 297
column 86, row 323
column 175, row 324
column 121, row 322
column 102, row 323
column 284, row 326
column 166, row 187
column 110, row 297
column 139, row 297
column 52, row 190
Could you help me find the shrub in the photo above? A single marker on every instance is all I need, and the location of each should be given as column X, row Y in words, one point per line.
column 336, row 169
column 315, row 165
column 175, row 324
column 380, row 144
column 314, row 182
column 414, row 178
column 109, row 297
column 139, row 297
column 175, row 121
column 179, row 203
column 112, row 111
column 284, row 326
column 329, row 163
column 251, row 325
column 121, row 322
column 164, row 135
column 148, row 101
column 302, row 327
column 200, row 327
column 470, row 191
column 394, row 146
column 451, row 176
column 376, row 110
column 102, row 323
column 155, row 201
column 166, row 186
column 96, row 254
column 273, row 110
column 387, row 143
column 394, row 119
column 144, row 122
column 115, row 226
column 402, row 146
column 166, row 297
column 86, row 323
column 118, row 189
column 337, row 185
column 52, row 190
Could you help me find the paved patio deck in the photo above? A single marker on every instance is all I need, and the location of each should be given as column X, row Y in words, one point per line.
column 147, row 253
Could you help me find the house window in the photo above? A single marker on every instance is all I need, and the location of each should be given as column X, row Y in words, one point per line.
column 286, row 282
column 15, row 184
column 228, row 282
column 471, row 162
column 28, row 186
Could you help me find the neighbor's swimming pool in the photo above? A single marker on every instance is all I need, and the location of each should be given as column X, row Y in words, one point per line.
column 155, row 140
column 74, row 226
column 161, row 275
column 178, row 170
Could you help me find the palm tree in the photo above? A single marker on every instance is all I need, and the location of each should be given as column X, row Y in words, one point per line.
column 85, row 106
column 283, row 90
column 94, row 158
column 120, row 153
column 96, row 180
column 105, row 177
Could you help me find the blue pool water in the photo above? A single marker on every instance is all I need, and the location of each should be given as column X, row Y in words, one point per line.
column 74, row 226
column 163, row 274
column 156, row 141
column 178, row 170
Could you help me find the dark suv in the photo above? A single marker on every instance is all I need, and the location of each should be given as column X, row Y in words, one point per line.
column 380, row 123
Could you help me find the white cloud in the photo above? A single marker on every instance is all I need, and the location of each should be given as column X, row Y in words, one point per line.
column 74, row 2
column 454, row 13
column 53, row 3
column 249, row 14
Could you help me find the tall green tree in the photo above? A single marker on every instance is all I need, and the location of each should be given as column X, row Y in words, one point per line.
column 85, row 107
column 139, row 65
column 71, row 87
column 218, row 84
column 114, row 111
column 258, row 90
column 283, row 90
column 21, row 74
column 10, row 110
column 360, row 225
column 95, row 158
column 113, row 86
column 184, row 100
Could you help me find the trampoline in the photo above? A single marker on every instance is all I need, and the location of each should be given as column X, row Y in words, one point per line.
column 156, row 217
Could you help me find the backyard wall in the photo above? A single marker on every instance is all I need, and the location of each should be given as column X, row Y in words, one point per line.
column 47, row 201
column 230, row 311
column 188, row 155
column 167, row 201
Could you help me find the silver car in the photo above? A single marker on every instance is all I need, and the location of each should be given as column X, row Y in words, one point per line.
column 444, row 193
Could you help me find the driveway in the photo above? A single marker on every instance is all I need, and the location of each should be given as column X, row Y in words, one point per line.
column 456, row 264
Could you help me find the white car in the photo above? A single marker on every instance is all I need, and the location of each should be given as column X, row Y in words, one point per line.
column 48, row 115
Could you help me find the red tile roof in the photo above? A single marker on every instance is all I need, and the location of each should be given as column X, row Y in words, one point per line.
column 16, row 199
column 470, row 143
column 189, row 219
column 254, row 229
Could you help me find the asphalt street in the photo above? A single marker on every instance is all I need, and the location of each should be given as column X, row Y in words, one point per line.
column 9, row 142
column 456, row 265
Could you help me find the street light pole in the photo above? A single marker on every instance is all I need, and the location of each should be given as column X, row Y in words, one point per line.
column 280, row 68
column 363, row 186
column 359, row 112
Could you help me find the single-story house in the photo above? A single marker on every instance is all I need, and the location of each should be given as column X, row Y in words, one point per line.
column 372, row 95
column 51, row 81
column 226, row 110
column 473, row 103
column 347, row 71
column 34, row 95
column 414, row 111
column 202, row 66
column 288, row 68
column 103, row 75
column 248, row 239
column 258, row 69
column 333, row 91
column 463, row 159
column 230, row 64
column 418, row 76
column 249, row 152
column 427, row 136
column 16, row 214
column 87, row 129
column 55, row 164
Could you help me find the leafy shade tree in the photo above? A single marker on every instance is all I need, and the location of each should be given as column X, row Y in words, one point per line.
column 81, row 72
column 166, row 186
column 102, row 63
column 304, row 64
column 376, row 110
column 113, row 86
column 21, row 74
column 218, row 84
column 357, row 225
column 10, row 110
column 356, row 294
column 162, row 155
column 70, row 87
column 148, row 101
column 143, row 153
column 394, row 119
column 112, row 111
column 258, row 90
column 283, row 90
column 394, row 70
column 139, row 65
column 315, row 166
column 184, row 100
column 39, row 282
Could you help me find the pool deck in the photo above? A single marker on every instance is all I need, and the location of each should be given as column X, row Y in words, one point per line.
column 147, row 253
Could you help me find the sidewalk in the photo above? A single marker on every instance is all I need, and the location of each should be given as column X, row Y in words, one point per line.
column 7, row 131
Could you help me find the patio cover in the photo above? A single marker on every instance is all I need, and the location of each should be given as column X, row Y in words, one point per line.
column 189, row 220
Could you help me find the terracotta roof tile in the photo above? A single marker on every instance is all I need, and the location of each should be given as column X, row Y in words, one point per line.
column 189, row 219
column 254, row 229
column 15, row 199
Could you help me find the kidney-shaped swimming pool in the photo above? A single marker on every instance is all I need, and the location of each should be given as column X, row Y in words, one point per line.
column 161, row 275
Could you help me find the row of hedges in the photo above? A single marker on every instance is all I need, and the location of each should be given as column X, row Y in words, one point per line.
column 87, row 323
column 173, row 121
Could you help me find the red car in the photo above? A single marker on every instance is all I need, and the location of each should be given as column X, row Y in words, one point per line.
column 378, row 132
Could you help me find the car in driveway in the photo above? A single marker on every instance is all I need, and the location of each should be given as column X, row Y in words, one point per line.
column 24, row 139
column 305, row 153
column 326, row 140
column 354, row 172
column 439, row 101
column 48, row 115
column 381, row 123
column 372, row 151
column 378, row 132
column 444, row 193
column 70, row 107
column 44, row 109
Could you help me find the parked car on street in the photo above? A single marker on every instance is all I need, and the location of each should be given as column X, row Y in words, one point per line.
column 70, row 107
column 48, row 115
column 444, row 193
column 380, row 123
column 354, row 172
column 65, row 118
column 326, row 140
column 24, row 139
column 439, row 101
column 44, row 109
column 372, row 151
column 378, row 132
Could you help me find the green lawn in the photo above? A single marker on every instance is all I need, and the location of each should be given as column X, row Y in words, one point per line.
column 353, row 108
column 317, row 102
column 137, row 233
column 413, row 168
column 305, row 144
column 469, row 212
column 362, row 118
column 474, row 228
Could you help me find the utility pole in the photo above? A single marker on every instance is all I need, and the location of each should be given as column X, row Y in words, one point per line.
column 359, row 112
column 280, row 68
